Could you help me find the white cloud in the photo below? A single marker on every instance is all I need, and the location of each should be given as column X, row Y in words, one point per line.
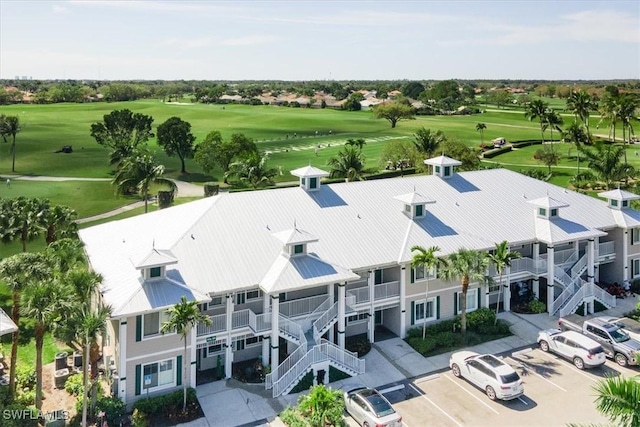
column 59, row 9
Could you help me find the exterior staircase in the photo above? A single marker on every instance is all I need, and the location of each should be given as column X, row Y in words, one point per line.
column 576, row 290
column 312, row 350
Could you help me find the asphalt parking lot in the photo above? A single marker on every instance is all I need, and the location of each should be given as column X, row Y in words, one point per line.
column 556, row 393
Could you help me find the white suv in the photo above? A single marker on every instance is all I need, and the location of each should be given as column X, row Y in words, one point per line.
column 581, row 350
column 496, row 378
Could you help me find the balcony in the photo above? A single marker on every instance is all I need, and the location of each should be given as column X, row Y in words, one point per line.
column 606, row 251
column 381, row 291
column 301, row 306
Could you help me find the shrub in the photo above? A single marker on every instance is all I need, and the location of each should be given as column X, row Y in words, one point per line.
column 167, row 404
column 490, row 154
column 635, row 286
column 25, row 421
column 292, row 418
column 26, row 398
column 113, row 408
column 423, row 346
column 446, row 339
column 74, row 385
column 25, row 377
column 537, row 306
column 304, row 384
column 139, row 419
column 478, row 319
column 337, row 374
column 360, row 345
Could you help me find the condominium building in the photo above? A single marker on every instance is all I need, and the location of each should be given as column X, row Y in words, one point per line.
column 287, row 274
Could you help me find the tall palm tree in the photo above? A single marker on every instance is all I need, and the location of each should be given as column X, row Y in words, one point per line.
column 93, row 324
column 627, row 114
column 427, row 141
column 43, row 302
column 618, row 398
column 610, row 112
column 480, row 127
column 466, row 265
column 10, row 125
column 553, row 121
column 358, row 143
column 581, row 104
column 19, row 272
column 576, row 134
column 59, row 222
column 184, row 316
column 348, row 163
column 425, row 258
column 22, row 218
column 501, row 258
column 65, row 254
column 537, row 109
column 253, row 170
column 140, row 171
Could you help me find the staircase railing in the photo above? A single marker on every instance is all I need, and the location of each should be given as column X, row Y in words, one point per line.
column 564, row 296
column 344, row 357
column 574, row 301
column 559, row 275
column 291, row 328
column 324, row 320
column 286, row 365
column 579, row 267
column 322, row 307
column 604, row 296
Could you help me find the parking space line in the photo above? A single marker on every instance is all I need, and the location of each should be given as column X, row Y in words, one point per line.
column 471, row 394
column 569, row 365
column 390, row 389
column 523, row 401
column 524, row 365
column 439, row 408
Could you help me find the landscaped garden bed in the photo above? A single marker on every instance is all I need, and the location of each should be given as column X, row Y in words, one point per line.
column 446, row 336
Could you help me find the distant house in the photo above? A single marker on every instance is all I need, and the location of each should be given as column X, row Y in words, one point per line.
column 231, row 98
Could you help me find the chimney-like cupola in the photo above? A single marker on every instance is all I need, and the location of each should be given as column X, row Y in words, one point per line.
column 310, row 177
column 443, row 166
column 619, row 199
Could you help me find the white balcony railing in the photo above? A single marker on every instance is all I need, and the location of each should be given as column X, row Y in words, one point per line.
column 605, row 249
column 325, row 320
column 579, row 267
column 344, row 357
column 361, row 294
column 285, row 366
column 387, row 290
column 302, row 306
column 604, row 296
column 218, row 324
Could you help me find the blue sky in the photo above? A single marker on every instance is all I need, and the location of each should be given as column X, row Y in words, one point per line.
column 319, row 40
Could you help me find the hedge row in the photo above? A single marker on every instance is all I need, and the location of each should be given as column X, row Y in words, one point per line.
column 490, row 154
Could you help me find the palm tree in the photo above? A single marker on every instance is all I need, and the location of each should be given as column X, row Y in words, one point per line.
column 468, row 266
column 325, row 406
column 537, row 109
column 140, row 171
column 65, row 254
column 618, row 398
column 627, row 113
column 575, row 133
column 59, row 222
column 553, row 121
column 348, row 163
column 480, row 127
column 425, row 258
column 182, row 317
column 93, row 324
column 427, row 141
column 610, row 111
column 606, row 162
column 43, row 303
column 10, row 125
column 19, row 272
column 22, row 218
column 253, row 170
column 358, row 143
column 501, row 258
column 580, row 104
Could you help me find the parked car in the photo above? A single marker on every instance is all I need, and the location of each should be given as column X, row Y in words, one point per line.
column 495, row 377
column 629, row 326
column 615, row 341
column 582, row 351
column 370, row 408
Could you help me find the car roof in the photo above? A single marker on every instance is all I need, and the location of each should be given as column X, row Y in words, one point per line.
column 497, row 365
column 580, row 339
column 603, row 324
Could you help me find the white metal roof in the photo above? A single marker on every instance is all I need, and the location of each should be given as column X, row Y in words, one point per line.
column 619, row 194
column 414, row 198
column 295, row 236
column 548, row 202
column 309, row 171
column 442, row 161
column 6, row 324
column 155, row 258
column 225, row 243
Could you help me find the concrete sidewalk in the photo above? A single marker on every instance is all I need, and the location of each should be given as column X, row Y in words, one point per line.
column 390, row 362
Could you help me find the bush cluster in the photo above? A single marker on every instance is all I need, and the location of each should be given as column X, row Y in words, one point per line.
column 360, row 345
column 537, row 306
column 490, row 154
column 148, row 410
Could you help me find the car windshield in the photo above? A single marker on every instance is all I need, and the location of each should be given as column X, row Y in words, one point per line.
column 619, row 336
column 379, row 405
column 509, row 378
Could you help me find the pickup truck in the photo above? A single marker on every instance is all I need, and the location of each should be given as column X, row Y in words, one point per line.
column 616, row 343
column 629, row 326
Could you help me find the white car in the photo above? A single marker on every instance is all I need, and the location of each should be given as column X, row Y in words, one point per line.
column 630, row 326
column 581, row 350
column 495, row 377
column 370, row 408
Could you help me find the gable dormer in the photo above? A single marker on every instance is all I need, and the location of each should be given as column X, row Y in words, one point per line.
column 443, row 166
column 154, row 264
column 310, row 177
column 547, row 207
column 619, row 199
column 414, row 204
column 295, row 241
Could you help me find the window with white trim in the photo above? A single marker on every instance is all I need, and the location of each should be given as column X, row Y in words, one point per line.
column 357, row 318
column 635, row 268
column 625, row 203
column 472, row 300
column 635, row 236
column 542, row 212
column 152, row 323
column 212, row 350
column 215, row 301
column 243, row 297
column 614, row 203
column 421, row 273
column 161, row 374
column 424, row 311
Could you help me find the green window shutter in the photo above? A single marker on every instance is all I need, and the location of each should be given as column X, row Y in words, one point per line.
column 179, row 370
column 413, row 276
column 455, row 303
column 438, row 307
column 138, row 328
column 413, row 312
column 479, row 298
column 138, row 379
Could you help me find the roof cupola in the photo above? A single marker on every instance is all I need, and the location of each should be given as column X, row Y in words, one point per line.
column 414, row 204
column 547, row 207
column 295, row 240
column 443, row 165
column 154, row 264
column 619, row 199
column 310, row 177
